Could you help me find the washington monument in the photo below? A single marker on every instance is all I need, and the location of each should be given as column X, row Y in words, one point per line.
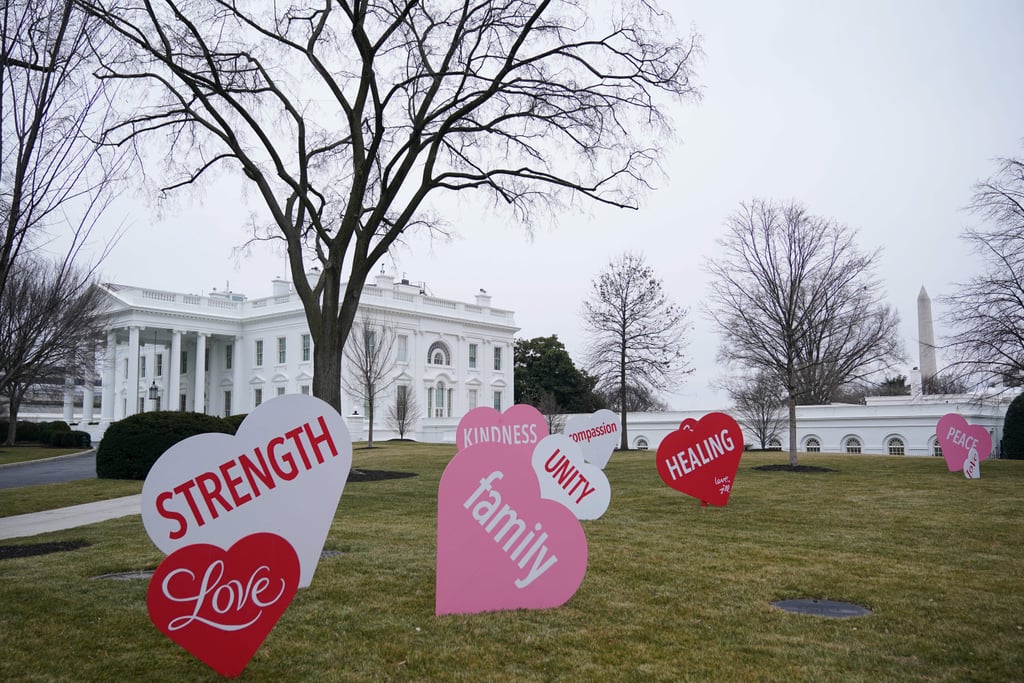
column 925, row 336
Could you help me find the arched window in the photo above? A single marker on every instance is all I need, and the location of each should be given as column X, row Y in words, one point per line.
column 812, row 445
column 438, row 354
column 774, row 442
column 895, row 446
column 936, row 448
column 641, row 444
column 852, row 444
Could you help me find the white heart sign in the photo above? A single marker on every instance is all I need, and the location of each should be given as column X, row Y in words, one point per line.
column 566, row 478
column 283, row 473
column 596, row 434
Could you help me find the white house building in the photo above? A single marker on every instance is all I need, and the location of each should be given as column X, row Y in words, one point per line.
column 224, row 354
column 886, row 425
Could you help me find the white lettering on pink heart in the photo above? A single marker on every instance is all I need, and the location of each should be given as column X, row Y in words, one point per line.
column 222, row 598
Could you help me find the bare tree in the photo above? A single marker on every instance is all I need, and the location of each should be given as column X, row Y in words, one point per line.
column 639, row 399
column 552, row 412
column 792, row 295
column 52, row 111
column 988, row 310
column 369, row 362
column 350, row 117
column 947, row 382
column 638, row 333
column 759, row 403
column 50, row 327
column 405, row 411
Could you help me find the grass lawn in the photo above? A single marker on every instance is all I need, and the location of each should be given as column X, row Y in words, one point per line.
column 673, row 591
column 12, row 454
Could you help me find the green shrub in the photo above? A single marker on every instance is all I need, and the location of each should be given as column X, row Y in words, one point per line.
column 235, row 420
column 46, row 430
column 1013, row 430
column 71, row 439
column 27, row 431
column 131, row 446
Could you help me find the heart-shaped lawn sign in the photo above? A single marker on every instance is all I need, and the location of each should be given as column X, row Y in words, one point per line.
column 958, row 439
column 220, row 605
column 566, row 478
column 521, row 427
column 596, row 434
column 500, row 545
column 282, row 472
column 701, row 458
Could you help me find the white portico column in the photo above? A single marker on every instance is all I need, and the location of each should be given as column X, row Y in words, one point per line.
column 132, row 404
column 174, row 373
column 239, row 391
column 69, row 399
column 200, row 365
column 87, row 398
column 109, row 369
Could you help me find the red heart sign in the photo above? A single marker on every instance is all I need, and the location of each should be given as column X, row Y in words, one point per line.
column 701, row 457
column 220, row 605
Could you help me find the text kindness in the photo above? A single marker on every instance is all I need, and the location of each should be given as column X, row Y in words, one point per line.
column 246, row 477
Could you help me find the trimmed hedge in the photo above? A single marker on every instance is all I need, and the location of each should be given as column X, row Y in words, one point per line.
column 1013, row 430
column 71, row 439
column 131, row 446
column 235, row 421
column 41, row 432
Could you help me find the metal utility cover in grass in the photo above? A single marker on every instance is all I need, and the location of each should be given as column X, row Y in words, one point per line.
column 822, row 608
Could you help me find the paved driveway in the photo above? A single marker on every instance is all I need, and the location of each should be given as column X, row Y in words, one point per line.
column 49, row 471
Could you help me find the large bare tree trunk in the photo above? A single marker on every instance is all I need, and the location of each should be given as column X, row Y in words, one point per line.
column 792, row 428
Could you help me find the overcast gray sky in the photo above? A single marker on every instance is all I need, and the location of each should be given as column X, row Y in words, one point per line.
column 881, row 115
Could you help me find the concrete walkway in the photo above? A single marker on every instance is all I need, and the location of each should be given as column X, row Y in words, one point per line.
column 69, row 517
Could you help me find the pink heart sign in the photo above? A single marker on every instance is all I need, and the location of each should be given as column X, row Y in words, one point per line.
column 283, row 472
column 596, row 434
column 566, row 478
column 501, row 546
column 963, row 445
column 701, row 458
column 220, row 605
column 521, row 427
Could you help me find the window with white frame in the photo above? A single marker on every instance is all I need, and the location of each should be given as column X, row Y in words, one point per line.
column 497, row 358
column 852, row 444
column 403, row 348
column 437, row 405
column 229, row 353
column 307, row 348
column 472, row 355
column 812, row 445
column 257, row 397
column 282, row 350
column 497, row 400
column 259, row 353
column 142, row 366
column 227, row 402
column 159, row 365
column 936, row 449
column 304, row 389
column 641, row 444
column 472, row 399
column 438, row 354
column 895, row 446
column 184, row 362
column 280, row 391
